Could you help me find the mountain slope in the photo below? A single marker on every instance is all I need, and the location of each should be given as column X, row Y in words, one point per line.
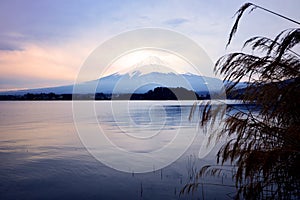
column 134, row 82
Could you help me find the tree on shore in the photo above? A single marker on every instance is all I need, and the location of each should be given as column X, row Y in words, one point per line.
column 264, row 143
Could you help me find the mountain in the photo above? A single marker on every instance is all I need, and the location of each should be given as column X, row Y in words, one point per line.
column 149, row 73
column 134, row 82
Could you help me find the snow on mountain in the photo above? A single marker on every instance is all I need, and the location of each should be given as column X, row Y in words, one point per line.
column 148, row 65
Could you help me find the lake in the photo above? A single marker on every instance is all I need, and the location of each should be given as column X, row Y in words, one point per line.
column 44, row 156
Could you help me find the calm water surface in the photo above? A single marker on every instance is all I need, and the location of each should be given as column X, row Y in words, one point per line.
column 42, row 156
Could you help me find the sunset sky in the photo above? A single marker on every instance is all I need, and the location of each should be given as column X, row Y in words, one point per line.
column 44, row 43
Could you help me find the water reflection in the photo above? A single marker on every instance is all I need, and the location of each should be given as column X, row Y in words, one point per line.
column 43, row 158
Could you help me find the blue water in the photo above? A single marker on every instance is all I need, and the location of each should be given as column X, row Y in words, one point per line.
column 42, row 156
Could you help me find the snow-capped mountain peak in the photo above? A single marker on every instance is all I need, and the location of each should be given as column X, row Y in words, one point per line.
column 148, row 65
column 136, row 82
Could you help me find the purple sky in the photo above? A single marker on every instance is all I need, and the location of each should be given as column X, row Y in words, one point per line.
column 44, row 43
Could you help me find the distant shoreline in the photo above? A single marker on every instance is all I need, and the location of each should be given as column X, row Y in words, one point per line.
column 157, row 94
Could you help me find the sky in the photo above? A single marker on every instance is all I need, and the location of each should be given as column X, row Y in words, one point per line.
column 45, row 43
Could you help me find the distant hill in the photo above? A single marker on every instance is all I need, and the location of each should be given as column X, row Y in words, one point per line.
column 163, row 93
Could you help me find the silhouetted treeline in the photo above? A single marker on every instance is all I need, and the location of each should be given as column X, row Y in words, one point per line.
column 54, row 97
column 36, row 97
column 160, row 93
column 163, row 93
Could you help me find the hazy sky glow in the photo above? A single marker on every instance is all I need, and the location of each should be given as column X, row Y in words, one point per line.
column 44, row 43
column 143, row 59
